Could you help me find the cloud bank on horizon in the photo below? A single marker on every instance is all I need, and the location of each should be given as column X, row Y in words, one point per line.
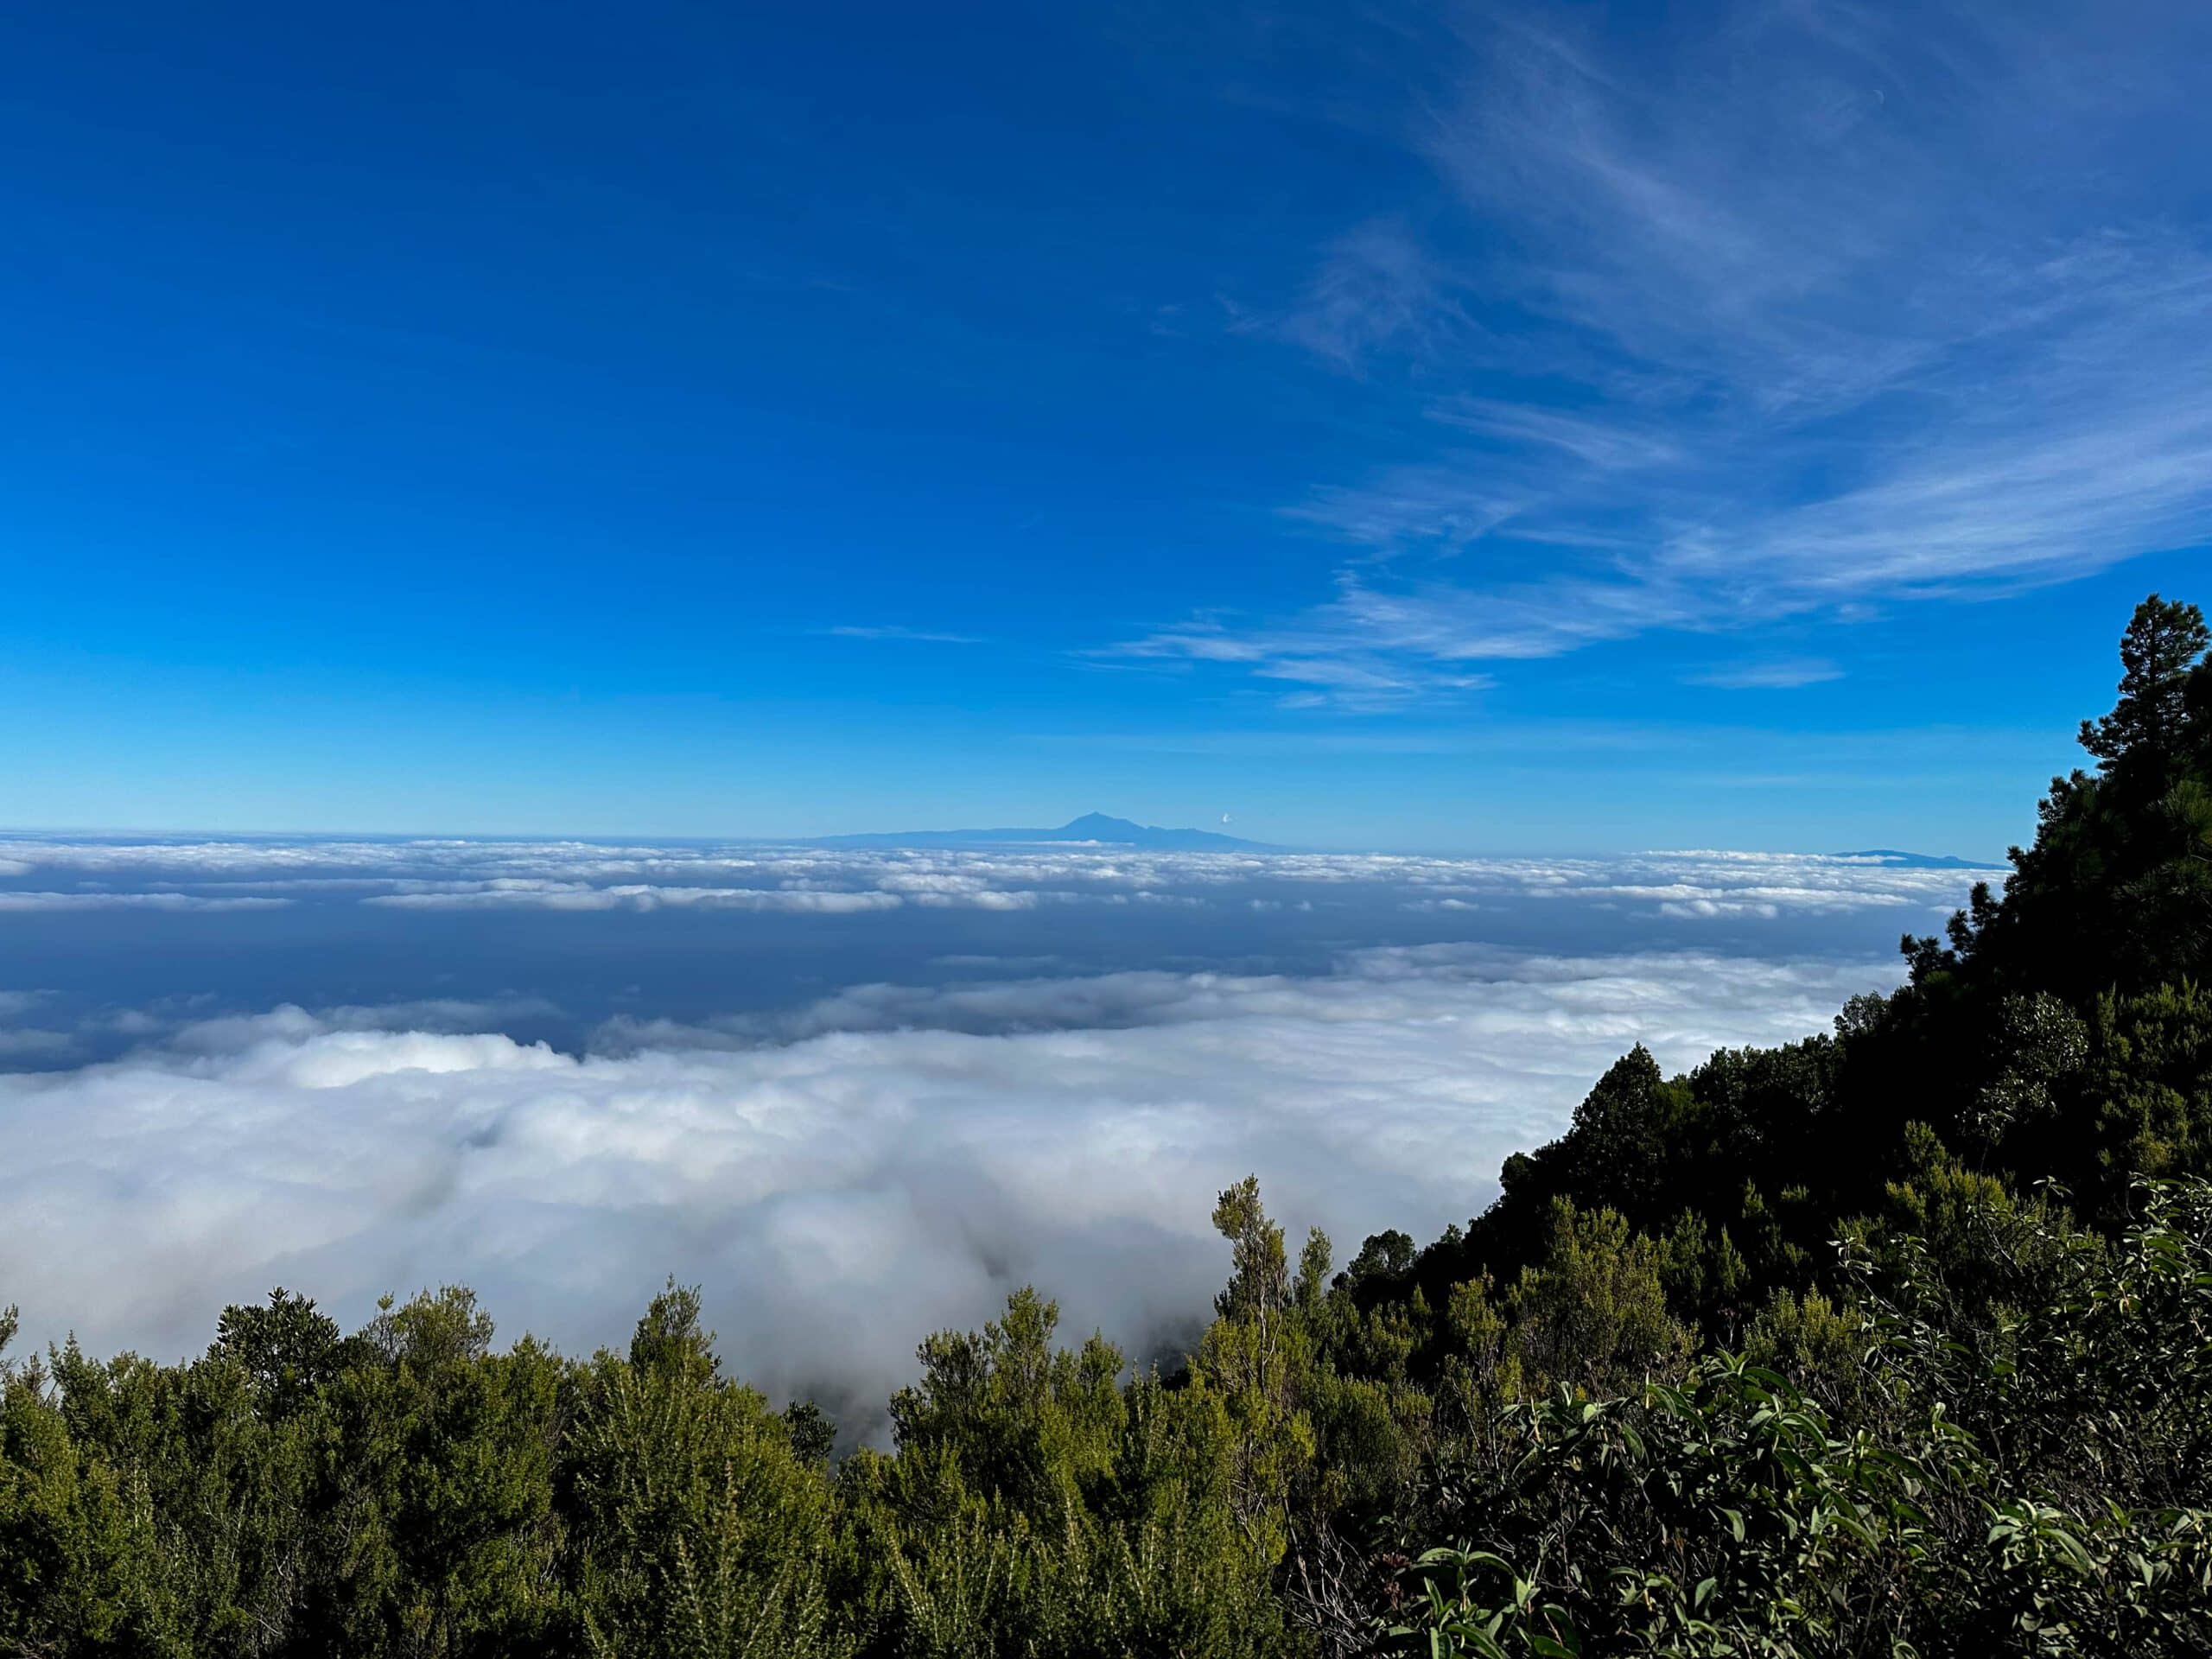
column 266, row 872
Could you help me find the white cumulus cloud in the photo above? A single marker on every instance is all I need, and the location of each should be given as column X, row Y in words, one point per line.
column 892, row 1162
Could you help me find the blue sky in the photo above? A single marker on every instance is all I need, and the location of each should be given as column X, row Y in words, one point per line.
column 1450, row 427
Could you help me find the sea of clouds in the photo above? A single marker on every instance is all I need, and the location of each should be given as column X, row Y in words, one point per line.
column 179, row 874
column 846, row 1170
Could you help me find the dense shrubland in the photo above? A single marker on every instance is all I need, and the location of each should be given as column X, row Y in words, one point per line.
column 1894, row 1340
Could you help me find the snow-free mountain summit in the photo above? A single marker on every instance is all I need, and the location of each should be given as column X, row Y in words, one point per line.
column 1092, row 830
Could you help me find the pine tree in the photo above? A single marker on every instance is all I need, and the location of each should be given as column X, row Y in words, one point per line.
column 2163, row 640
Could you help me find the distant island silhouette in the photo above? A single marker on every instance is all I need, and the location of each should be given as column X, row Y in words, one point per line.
column 1919, row 860
column 1103, row 830
column 1092, row 828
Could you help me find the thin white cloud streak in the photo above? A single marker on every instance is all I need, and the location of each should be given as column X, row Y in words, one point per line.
column 54, row 901
column 1924, row 258
column 842, row 1193
column 1379, row 288
column 632, row 896
column 1604, row 442
column 1779, row 674
column 894, row 632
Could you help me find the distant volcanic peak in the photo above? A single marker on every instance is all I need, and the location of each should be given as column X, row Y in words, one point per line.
column 1094, row 829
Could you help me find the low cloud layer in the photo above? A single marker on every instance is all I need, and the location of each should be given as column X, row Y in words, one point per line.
column 93, row 901
column 583, row 876
column 890, row 1161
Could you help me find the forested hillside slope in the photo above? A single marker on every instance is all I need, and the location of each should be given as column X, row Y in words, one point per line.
column 1894, row 1340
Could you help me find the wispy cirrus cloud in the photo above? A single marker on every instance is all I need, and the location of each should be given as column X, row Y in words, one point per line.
column 1326, row 655
column 1603, row 442
column 1378, row 289
column 1775, row 674
column 1813, row 306
column 892, row 631
column 1380, row 645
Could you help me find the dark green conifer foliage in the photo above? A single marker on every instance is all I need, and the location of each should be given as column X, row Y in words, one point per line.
column 2158, row 657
